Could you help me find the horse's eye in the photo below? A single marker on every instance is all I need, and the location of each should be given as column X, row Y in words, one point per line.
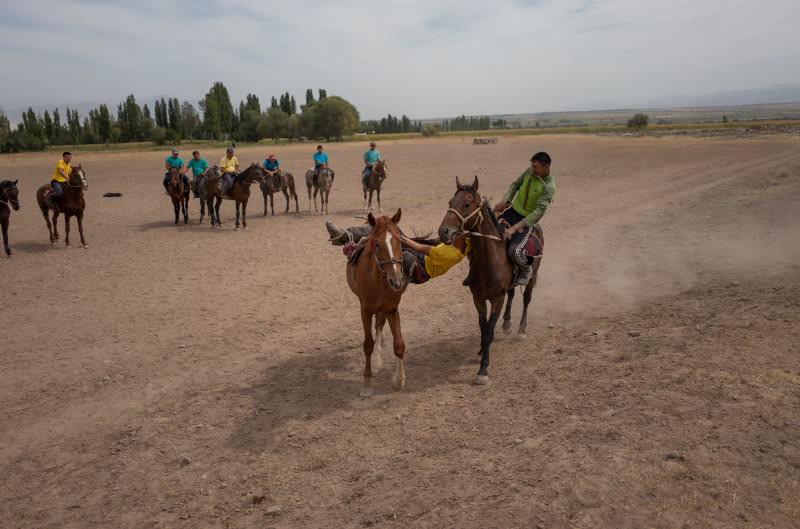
column 467, row 206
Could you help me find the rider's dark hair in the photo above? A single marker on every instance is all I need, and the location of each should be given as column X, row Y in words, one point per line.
column 319, row 146
column 65, row 153
column 541, row 157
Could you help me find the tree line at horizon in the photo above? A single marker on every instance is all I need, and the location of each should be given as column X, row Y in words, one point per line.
column 215, row 118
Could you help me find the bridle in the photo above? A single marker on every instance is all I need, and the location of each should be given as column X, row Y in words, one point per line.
column 392, row 261
column 68, row 183
column 4, row 191
column 478, row 213
column 382, row 171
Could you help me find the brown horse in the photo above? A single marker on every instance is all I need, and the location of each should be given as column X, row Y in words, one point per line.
column 490, row 270
column 72, row 203
column 322, row 185
column 376, row 277
column 374, row 181
column 178, row 195
column 282, row 181
column 213, row 188
column 9, row 198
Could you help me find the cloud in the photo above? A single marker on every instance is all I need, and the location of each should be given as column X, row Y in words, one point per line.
column 421, row 58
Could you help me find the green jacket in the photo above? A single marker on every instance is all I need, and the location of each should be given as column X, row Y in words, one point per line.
column 532, row 198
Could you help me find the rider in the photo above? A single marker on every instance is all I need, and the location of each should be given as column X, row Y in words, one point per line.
column 272, row 166
column 229, row 167
column 174, row 161
column 198, row 166
column 421, row 262
column 371, row 157
column 529, row 195
column 320, row 159
column 61, row 175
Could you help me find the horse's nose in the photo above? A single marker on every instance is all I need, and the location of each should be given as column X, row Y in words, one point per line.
column 444, row 234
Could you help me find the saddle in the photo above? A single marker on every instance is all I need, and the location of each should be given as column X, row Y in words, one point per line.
column 47, row 192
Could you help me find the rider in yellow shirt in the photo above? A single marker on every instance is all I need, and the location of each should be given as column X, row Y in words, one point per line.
column 229, row 167
column 61, row 175
column 421, row 262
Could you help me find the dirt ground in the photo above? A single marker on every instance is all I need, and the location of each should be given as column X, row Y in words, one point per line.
column 179, row 376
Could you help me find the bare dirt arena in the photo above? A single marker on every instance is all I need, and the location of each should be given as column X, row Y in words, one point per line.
column 179, row 376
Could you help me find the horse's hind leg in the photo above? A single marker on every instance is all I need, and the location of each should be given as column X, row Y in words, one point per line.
column 507, row 313
column 216, row 210
column 399, row 380
column 176, row 205
column 380, row 320
column 79, row 216
column 272, row 202
column 369, row 345
column 186, row 210
column 286, row 196
column 378, row 191
column 296, row 203
column 365, row 198
column 202, row 209
column 49, row 226
column 55, row 225
column 526, row 300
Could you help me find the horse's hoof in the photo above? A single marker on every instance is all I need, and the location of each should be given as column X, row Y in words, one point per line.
column 481, row 380
column 507, row 330
column 398, row 385
column 68, row 246
column 521, row 337
column 85, row 246
column 366, row 392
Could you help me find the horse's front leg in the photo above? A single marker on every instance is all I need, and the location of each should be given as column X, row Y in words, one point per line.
column 244, row 213
column 176, row 205
column 316, row 190
column 185, row 205
column 217, row 202
column 378, row 192
column 309, row 198
column 488, row 337
column 5, row 236
column 507, row 313
column 364, row 188
column 237, row 215
column 202, row 209
column 272, row 202
column 66, row 230
column 79, row 216
column 55, row 224
column 399, row 380
column 369, row 345
column 286, row 196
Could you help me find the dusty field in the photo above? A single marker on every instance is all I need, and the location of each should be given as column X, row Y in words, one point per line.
column 241, row 352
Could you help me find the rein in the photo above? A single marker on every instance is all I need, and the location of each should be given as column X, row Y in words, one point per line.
column 381, row 263
column 471, row 231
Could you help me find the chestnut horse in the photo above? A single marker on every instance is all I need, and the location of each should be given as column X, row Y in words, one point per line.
column 376, row 277
column 322, row 185
column 374, row 181
column 9, row 198
column 178, row 195
column 282, row 181
column 490, row 270
column 211, row 187
column 72, row 203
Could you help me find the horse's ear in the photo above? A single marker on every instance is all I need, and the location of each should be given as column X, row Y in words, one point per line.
column 371, row 220
column 15, row 181
column 458, row 183
column 396, row 216
column 475, row 184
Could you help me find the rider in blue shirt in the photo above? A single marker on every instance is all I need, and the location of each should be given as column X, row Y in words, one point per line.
column 174, row 161
column 272, row 167
column 320, row 159
column 371, row 157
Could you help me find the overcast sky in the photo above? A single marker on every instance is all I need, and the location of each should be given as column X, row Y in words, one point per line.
column 423, row 58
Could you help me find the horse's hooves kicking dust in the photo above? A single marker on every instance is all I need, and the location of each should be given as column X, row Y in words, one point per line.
column 481, row 380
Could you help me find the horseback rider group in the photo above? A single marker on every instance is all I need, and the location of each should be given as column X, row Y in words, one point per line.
column 522, row 207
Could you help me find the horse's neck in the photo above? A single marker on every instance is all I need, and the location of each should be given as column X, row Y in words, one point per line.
column 486, row 227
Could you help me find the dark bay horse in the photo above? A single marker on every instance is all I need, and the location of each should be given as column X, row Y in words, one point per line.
column 376, row 277
column 213, row 188
column 374, row 181
column 490, row 270
column 206, row 191
column 71, row 204
column 178, row 195
column 9, row 198
column 322, row 185
column 282, row 181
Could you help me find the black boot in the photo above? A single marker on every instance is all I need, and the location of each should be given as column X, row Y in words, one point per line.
column 523, row 275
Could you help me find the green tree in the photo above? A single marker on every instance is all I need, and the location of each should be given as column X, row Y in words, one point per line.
column 322, row 94
column 5, row 128
column 248, row 129
column 218, row 111
column 638, row 121
column 274, row 124
column 334, row 117
column 49, row 129
column 57, row 131
column 190, row 121
column 309, row 97
column 104, row 123
column 274, row 103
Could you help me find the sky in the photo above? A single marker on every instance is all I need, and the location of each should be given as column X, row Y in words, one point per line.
column 422, row 58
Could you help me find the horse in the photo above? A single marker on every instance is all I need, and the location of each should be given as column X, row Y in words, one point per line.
column 374, row 181
column 213, row 187
column 72, row 203
column 490, row 270
column 323, row 185
column 9, row 198
column 178, row 194
column 211, row 174
column 282, row 181
column 376, row 278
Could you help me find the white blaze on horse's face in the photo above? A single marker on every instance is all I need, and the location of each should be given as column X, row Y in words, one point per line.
column 391, row 251
column 82, row 176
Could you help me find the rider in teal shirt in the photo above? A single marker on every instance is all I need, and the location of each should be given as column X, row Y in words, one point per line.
column 174, row 161
column 320, row 159
column 198, row 166
column 371, row 157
